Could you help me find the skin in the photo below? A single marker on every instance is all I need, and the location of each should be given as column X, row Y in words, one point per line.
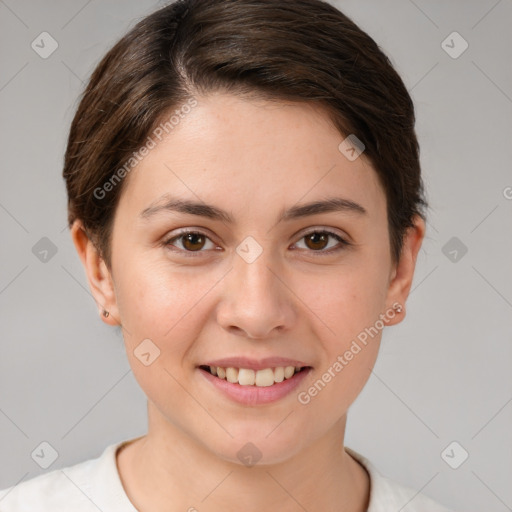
column 252, row 158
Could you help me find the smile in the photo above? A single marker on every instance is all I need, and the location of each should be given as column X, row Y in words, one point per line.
column 260, row 378
column 252, row 387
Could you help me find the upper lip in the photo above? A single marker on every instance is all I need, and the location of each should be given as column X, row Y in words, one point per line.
column 254, row 364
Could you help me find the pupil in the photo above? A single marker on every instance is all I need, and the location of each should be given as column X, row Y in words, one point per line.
column 314, row 238
column 189, row 239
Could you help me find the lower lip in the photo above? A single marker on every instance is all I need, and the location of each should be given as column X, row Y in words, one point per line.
column 255, row 395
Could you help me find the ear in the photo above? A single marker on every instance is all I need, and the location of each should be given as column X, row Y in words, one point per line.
column 403, row 273
column 98, row 275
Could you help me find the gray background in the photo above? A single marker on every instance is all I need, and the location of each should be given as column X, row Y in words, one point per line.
column 443, row 375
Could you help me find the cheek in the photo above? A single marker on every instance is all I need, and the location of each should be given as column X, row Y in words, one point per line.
column 347, row 306
column 160, row 312
column 349, row 333
column 159, row 304
column 346, row 299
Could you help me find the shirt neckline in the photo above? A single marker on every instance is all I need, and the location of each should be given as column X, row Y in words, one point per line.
column 114, row 494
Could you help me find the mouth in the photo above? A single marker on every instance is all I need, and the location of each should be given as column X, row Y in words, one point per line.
column 257, row 386
column 263, row 377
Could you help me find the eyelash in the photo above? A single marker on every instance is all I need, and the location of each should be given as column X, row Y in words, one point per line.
column 181, row 234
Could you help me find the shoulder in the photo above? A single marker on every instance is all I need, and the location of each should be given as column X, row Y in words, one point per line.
column 84, row 487
column 386, row 494
column 56, row 490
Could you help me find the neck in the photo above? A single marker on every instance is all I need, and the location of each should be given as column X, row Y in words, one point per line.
column 167, row 470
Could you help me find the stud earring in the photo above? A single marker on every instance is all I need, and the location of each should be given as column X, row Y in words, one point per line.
column 398, row 308
column 105, row 313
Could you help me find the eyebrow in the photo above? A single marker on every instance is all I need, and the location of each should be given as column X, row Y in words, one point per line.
column 172, row 204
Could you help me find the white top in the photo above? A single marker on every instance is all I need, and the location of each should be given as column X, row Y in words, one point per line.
column 95, row 485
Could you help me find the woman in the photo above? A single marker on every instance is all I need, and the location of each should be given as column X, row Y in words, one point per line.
column 245, row 195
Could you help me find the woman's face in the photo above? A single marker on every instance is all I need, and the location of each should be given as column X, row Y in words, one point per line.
column 258, row 285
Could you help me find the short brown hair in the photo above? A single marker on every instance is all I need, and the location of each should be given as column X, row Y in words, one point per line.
column 298, row 50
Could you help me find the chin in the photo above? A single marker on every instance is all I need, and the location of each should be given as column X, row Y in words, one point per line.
column 247, row 449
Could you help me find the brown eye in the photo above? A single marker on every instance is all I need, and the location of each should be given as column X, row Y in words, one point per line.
column 191, row 241
column 317, row 241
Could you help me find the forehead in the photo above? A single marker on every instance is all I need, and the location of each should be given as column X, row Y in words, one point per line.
column 252, row 157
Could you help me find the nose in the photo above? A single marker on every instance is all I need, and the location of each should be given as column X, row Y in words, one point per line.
column 256, row 300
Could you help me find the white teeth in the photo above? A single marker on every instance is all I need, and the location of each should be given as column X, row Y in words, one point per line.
column 248, row 377
column 265, row 377
column 289, row 371
column 232, row 375
column 279, row 374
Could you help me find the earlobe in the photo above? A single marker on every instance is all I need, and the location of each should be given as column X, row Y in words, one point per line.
column 98, row 275
column 403, row 274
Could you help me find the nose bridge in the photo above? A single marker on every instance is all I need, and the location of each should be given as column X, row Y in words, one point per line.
column 256, row 275
column 254, row 258
column 256, row 301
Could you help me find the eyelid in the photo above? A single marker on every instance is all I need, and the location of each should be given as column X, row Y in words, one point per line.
column 324, row 229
